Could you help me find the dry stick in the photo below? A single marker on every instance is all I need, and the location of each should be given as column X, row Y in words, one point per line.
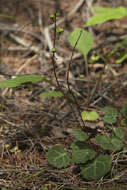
column 67, row 78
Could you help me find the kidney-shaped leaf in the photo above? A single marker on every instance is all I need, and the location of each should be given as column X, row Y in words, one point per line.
column 108, row 143
column 81, row 40
column 58, row 157
column 104, row 142
column 110, row 115
column 117, row 144
column 80, row 135
column 97, row 169
column 82, row 156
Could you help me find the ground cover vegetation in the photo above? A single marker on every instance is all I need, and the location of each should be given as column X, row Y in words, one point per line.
column 94, row 148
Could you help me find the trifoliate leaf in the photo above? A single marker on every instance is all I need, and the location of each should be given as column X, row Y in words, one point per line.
column 58, row 157
column 97, row 169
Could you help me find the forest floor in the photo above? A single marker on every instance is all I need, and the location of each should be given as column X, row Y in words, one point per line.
column 31, row 124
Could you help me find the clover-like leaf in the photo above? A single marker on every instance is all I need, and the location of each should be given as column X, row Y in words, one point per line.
column 106, row 14
column 110, row 115
column 58, row 157
column 97, row 169
column 81, row 156
column 80, row 135
column 89, row 116
column 81, row 40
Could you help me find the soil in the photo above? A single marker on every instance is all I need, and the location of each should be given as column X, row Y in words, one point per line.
column 31, row 124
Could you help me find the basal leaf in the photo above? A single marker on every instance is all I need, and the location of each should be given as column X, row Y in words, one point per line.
column 106, row 14
column 80, row 135
column 81, row 40
column 89, row 116
column 97, row 169
column 51, row 93
column 78, row 145
column 20, row 80
column 117, row 143
column 104, row 142
column 109, row 143
column 58, row 157
column 110, row 115
column 119, row 133
column 82, row 156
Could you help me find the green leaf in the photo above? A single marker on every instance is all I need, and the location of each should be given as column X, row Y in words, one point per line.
column 89, row 116
column 20, row 80
column 58, row 157
column 81, row 156
column 106, row 14
column 124, row 110
column 99, row 168
column 117, row 143
column 111, row 115
column 119, row 133
column 124, row 122
column 51, row 93
column 82, row 39
column 78, row 145
column 104, row 142
column 80, row 135
column 108, row 143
